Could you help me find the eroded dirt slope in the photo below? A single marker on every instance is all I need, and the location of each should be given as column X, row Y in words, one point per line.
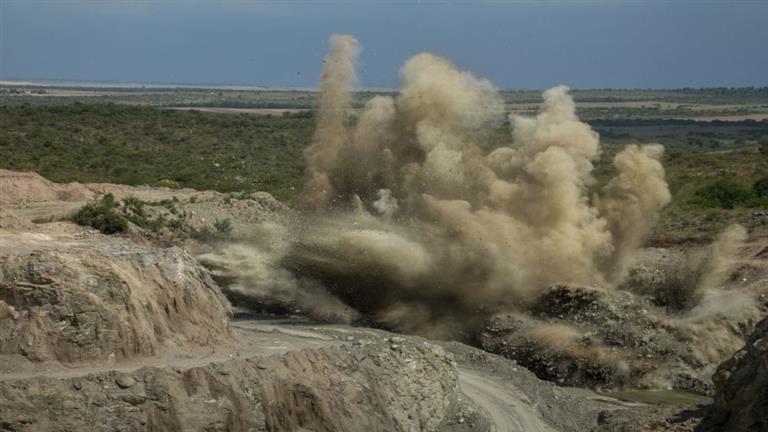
column 343, row 388
column 74, row 297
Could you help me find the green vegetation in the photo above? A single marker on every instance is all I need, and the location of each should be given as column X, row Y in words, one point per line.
column 223, row 226
column 110, row 217
column 222, row 229
column 729, row 193
column 725, row 193
column 138, row 213
column 102, row 215
column 761, row 187
column 711, row 189
column 140, row 145
column 158, row 220
column 168, row 183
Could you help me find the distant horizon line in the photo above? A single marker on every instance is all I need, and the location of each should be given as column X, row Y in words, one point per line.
column 159, row 85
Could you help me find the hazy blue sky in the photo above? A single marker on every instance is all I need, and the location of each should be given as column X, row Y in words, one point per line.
column 530, row 44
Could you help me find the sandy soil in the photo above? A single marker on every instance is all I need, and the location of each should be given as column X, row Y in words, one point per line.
column 508, row 407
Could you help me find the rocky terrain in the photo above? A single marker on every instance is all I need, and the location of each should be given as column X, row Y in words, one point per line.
column 125, row 332
column 637, row 336
column 741, row 401
column 608, row 339
column 367, row 387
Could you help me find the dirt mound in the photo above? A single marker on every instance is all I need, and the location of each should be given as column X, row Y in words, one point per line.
column 172, row 214
column 103, row 298
column 19, row 187
column 29, row 187
column 371, row 387
column 741, row 398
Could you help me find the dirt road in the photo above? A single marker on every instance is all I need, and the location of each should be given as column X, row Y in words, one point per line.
column 507, row 407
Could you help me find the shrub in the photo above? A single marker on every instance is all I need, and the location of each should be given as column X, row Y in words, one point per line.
column 763, row 144
column 760, row 187
column 223, row 226
column 134, row 205
column 101, row 215
column 168, row 183
column 222, row 230
column 724, row 193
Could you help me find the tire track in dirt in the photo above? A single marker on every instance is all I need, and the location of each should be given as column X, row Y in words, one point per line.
column 508, row 408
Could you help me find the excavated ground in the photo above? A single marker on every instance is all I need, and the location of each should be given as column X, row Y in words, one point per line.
column 250, row 374
column 116, row 333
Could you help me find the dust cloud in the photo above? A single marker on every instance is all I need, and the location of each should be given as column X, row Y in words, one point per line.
column 694, row 282
column 337, row 82
column 711, row 315
column 713, row 270
column 410, row 217
column 721, row 258
column 256, row 273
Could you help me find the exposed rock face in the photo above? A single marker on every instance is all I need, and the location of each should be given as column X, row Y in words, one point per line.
column 741, row 382
column 359, row 388
column 75, row 301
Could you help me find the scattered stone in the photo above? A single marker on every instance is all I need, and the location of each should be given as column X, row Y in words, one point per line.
column 125, row 381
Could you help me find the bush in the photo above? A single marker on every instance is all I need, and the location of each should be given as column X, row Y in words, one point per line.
column 760, row 187
column 222, row 230
column 724, row 193
column 168, row 183
column 763, row 144
column 102, row 216
column 223, row 226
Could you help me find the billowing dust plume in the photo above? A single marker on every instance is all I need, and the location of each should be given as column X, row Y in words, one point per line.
column 337, row 82
column 693, row 283
column 721, row 257
column 713, row 324
column 713, row 269
column 412, row 218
